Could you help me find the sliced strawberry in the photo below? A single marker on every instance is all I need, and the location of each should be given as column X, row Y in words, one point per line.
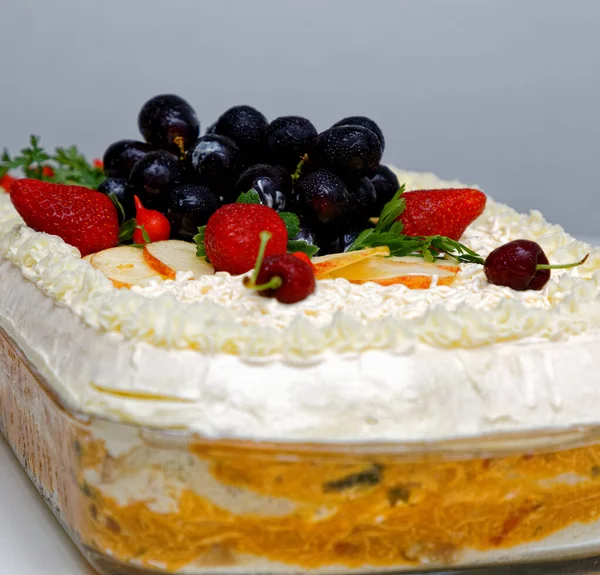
column 445, row 212
column 83, row 218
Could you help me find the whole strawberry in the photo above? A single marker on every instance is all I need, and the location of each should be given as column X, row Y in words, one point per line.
column 232, row 236
column 445, row 212
column 82, row 217
column 286, row 277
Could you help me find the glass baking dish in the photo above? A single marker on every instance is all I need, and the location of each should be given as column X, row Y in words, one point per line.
column 145, row 501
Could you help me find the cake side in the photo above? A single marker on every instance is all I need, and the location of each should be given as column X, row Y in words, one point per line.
column 355, row 363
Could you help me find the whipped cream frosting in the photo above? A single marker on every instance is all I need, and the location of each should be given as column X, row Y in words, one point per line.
column 348, row 363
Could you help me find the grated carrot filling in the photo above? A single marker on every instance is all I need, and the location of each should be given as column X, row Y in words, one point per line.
column 378, row 513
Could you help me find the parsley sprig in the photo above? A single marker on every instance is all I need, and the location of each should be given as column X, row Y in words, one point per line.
column 64, row 166
column 388, row 232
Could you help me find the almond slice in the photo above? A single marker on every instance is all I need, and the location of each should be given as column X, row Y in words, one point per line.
column 411, row 272
column 171, row 256
column 326, row 265
column 124, row 266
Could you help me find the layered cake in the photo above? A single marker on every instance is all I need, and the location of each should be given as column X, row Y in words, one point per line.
column 400, row 411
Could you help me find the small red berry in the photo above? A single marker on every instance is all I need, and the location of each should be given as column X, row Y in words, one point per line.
column 297, row 278
column 47, row 171
column 232, row 236
column 154, row 224
column 97, row 163
column 6, row 181
column 305, row 258
column 521, row 265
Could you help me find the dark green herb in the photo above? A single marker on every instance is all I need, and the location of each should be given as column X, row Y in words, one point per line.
column 367, row 478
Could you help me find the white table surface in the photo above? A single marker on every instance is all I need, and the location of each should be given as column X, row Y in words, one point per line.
column 31, row 540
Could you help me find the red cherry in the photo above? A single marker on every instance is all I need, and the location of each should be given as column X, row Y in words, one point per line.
column 286, row 277
column 521, row 265
column 153, row 223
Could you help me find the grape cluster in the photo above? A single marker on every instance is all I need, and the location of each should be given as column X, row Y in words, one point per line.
column 332, row 180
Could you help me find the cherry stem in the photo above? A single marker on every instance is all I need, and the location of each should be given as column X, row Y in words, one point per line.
column 179, row 142
column 274, row 283
column 299, row 167
column 561, row 266
column 264, row 240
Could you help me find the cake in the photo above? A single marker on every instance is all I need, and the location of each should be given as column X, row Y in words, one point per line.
column 188, row 425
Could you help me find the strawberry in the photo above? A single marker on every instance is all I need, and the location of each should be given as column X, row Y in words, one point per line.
column 232, row 236
column 445, row 212
column 82, row 217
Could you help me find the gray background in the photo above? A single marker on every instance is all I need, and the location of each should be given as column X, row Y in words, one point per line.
column 500, row 93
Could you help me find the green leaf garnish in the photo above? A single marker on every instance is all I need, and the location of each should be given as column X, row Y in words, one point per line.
column 117, row 203
column 292, row 223
column 199, row 240
column 388, row 232
column 145, row 234
column 65, row 166
column 126, row 230
column 302, row 246
column 249, row 197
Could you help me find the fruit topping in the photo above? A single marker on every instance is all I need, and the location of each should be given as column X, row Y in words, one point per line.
column 154, row 177
column 305, row 258
column 82, row 217
column 446, row 212
column 521, row 265
column 272, row 183
column 246, row 127
column 287, row 139
column 362, row 201
column 119, row 189
column 172, row 256
column 412, row 272
column 125, row 266
column 5, row 181
column 121, row 156
column 364, row 122
column 386, row 185
column 232, row 236
column 336, row 242
column 169, row 122
column 349, row 151
column 151, row 225
column 322, row 198
column 326, row 265
column 214, row 161
column 190, row 206
column 285, row 277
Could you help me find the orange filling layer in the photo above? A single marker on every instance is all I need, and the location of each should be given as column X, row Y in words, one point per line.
column 379, row 513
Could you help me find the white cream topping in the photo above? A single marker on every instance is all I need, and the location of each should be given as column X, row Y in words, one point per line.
column 350, row 362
